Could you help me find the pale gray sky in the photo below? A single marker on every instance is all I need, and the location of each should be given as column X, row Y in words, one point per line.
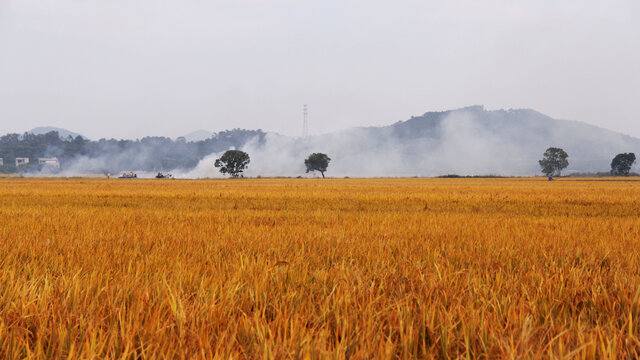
column 130, row 68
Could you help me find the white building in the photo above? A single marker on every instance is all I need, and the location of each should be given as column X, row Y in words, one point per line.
column 1, row 162
column 21, row 161
column 52, row 162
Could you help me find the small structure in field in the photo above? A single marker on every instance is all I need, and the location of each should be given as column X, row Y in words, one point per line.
column 22, row 161
column 49, row 162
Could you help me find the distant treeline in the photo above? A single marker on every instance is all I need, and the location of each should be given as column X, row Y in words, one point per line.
column 596, row 174
column 111, row 155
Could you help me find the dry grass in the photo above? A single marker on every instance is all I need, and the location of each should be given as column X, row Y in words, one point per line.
column 378, row 268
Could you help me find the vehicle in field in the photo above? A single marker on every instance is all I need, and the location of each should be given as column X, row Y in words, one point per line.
column 128, row 175
column 164, row 176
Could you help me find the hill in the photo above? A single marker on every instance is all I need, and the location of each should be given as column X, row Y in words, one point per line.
column 469, row 141
column 198, row 135
column 64, row 133
column 515, row 138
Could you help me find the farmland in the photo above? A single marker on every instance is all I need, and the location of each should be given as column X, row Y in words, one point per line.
column 310, row 268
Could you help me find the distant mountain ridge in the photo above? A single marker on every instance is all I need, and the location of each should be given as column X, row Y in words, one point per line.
column 198, row 135
column 526, row 132
column 468, row 141
column 63, row 133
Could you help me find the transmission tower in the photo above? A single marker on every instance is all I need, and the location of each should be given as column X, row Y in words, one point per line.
column 305, row 121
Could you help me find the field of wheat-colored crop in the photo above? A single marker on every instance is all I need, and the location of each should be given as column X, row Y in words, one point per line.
column 309, row 268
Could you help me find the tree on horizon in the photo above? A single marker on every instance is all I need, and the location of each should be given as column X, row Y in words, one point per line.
column 622, row 163
column 554, row 160
column 317, row 162
column 233, row 162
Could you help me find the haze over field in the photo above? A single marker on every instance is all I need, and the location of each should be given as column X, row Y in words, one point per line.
column 467, row 141
column 128, row 69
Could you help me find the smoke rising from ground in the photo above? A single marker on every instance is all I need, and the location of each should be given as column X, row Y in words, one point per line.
column 469, row 141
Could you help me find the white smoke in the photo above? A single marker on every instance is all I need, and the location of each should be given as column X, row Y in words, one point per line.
column 469, row 141
column 465, row 143
column 463, row 147
column 204, row 169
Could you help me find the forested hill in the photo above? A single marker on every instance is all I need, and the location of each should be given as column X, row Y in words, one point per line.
column 467, row 141
column 102, row 156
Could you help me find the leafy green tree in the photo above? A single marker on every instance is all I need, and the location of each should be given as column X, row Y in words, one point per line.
column 621, row 164
column 317, row 162
column 233, row 162
column 553, row 161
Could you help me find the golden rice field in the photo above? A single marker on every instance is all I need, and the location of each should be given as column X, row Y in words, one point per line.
column 315, row 269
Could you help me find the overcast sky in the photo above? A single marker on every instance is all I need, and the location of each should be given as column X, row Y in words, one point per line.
column 130, row 68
